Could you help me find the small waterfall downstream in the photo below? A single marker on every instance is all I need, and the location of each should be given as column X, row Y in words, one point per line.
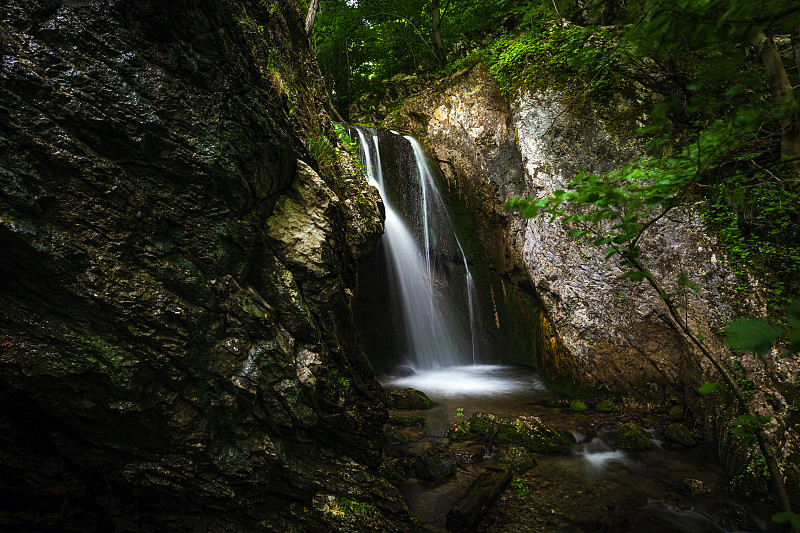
column 422, row 251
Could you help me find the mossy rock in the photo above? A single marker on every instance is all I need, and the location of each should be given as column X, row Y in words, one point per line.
column 435, row 468
column 408, row 399
column 681, row 434
column 606, row 406
column 577, row 405
column 533, row 434
column 405, row 421
column 519, row 458
column 631, row 436
column 526, row 431
column 460, row 432
column 396, row 437
column 482, row 424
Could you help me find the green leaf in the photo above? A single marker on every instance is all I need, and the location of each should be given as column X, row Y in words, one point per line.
column 787, row 517
column 636, row 275
column 794, row 339
column 575, row 232
column 683, row 281
column 708, row 388
column 750, row 335
column 793, row 314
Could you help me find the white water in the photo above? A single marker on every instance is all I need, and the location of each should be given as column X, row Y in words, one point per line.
column 430, row 328
column 468, row 380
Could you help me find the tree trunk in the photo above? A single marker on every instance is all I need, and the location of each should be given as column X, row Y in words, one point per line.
column 438, row 44
column 796, row 46
column 311, row 17
column 479, row 496
column 783, row 95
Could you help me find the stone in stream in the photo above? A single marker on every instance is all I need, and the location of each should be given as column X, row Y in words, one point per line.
column 479, row 496
column 517, row 457
column 695, row 487
column 631, row 436
column 527, row 431
column 435, row 468
column 408, row 398
column 680, row 434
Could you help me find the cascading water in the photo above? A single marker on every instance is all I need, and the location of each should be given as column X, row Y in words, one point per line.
column 418, row 251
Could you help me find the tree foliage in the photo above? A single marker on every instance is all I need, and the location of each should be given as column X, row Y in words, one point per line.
column 360, row 42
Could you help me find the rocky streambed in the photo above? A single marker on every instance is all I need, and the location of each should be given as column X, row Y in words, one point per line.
column 590, row 466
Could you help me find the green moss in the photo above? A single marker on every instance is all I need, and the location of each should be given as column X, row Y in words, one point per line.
column 460, row 432
column 631, row 436
column 577, row 405
column 406, row 421
column 680, row 434
column 534, row 436
column 477, row 423
column 606, row 406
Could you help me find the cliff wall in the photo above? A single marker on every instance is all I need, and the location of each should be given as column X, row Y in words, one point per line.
column 179, row 233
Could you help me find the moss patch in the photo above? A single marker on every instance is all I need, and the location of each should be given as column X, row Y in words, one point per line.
column 577, row 405
column 631, row 436
column 405, row 421
column 680, row 434
column 606, row 406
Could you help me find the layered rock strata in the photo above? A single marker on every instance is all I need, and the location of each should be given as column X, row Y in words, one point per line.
column 179, row 235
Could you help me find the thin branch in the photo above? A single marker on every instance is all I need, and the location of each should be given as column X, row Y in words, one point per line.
column 412, row 27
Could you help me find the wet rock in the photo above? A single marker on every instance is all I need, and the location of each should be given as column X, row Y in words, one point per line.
column 631, row 436
column 394, row 436
column 680, row 434
column 695, row 487
column 408, row 398
column 526, row 431
column 402, row 371
column 676, row 412
column 517, row 457
column 469, row 456
column 606, row 406
column 177, row 271
column 435, row 468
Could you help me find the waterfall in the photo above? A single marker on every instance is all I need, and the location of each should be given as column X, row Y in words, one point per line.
column 421, row 252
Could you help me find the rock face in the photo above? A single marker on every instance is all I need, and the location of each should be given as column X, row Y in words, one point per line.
column 591, row 328
column 177, row 263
